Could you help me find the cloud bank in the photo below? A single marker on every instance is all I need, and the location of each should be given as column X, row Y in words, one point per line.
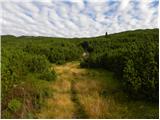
column 76, row 18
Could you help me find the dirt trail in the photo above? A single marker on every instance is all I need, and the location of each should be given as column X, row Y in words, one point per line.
column 79, row 113
column 87, row 93
column 77, row 93
column 64, row 103
column 72, row 84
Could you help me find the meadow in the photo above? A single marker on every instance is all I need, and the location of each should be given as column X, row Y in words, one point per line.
column 110, row 76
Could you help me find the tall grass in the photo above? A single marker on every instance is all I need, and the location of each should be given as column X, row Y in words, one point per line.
column 90, row 93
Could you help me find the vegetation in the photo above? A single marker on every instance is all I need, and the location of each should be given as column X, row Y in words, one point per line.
column 27, row 66
column 91, row 93
column 132, row 56
column 14, row 105
column 26, row 71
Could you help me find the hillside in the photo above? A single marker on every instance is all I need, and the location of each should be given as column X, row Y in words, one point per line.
column 118, row 78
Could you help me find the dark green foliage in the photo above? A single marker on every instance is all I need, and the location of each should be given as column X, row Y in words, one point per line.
column 27, row 57
column 37, row 64
column 64, row 52
column 86, row 46
column 48, row 75
column 55, row 51
column 141, row 70
column 17, row 64
column 13, row 69
column 132, row 56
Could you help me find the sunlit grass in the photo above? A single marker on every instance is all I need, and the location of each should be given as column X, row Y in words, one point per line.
column 79, row 92
column 59, row 106
column 61, row 85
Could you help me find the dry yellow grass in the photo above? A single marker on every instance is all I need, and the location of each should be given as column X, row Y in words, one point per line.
column 95, row 106
column 88, row 86
column 98, row 107
column 83, row 93
column 61, row 85
column 59, row 106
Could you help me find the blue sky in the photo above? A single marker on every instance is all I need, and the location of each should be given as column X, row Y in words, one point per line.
column 76, row 18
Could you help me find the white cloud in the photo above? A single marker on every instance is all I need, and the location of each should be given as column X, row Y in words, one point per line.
column 70, row 18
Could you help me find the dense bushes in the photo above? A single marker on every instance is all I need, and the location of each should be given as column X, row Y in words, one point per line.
column 62, row 55
column 48, row 75
column 37, row 63
column 55, row 51
column 13, row 69
column 16, row 66
column 141, row 70
column 26, row 67
column 114, row 61
column 132, row 56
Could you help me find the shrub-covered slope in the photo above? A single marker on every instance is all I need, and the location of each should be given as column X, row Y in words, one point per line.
column 132, row 56
column 25, row 67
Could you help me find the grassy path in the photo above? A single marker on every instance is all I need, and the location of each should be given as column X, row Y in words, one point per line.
column 79, row 113
column 83, row 93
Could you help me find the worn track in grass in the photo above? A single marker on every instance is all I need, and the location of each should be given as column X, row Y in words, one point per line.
column 89, row 93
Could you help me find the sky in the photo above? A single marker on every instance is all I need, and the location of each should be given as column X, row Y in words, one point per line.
column 76, row 18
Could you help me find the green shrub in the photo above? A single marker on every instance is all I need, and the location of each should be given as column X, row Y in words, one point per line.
column 14, row 105
column 13, row 69
column 37, row 63
column 40, row 91
column 132, row 56
column 141, row 70
column 48, row 75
